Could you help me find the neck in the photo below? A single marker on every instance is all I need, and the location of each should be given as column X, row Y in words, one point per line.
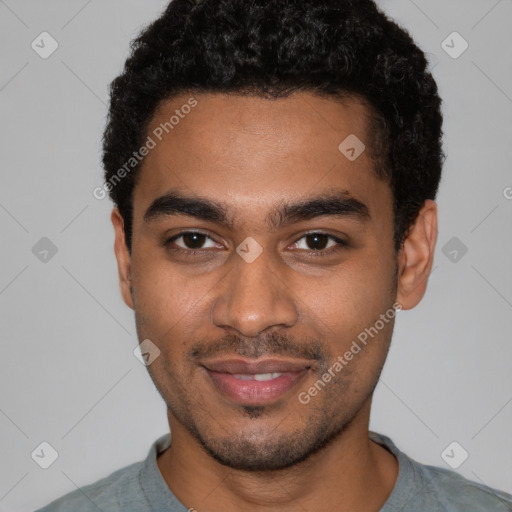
column 350, row 473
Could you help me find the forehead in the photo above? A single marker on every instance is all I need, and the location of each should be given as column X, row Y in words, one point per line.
column 253, row 152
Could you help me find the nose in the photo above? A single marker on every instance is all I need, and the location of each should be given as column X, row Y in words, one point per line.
column 254, row 298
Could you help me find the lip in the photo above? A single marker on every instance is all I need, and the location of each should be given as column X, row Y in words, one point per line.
column 252, row 392
column 237, row 366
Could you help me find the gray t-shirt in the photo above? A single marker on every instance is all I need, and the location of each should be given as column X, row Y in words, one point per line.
column 141, row 487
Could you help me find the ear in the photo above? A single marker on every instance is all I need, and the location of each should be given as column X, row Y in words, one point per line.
column 416, row 257
column 123, row 257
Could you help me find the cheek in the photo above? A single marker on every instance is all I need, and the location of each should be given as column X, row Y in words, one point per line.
column 166, row 300
column 167, row 309
column 351, row 299
column 362, row 283
column 159, row 278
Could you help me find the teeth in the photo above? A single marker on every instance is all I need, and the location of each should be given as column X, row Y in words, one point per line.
column 257, row 376
column 266, row 376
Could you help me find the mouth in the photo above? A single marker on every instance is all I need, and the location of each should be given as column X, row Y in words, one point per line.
column 256, row 382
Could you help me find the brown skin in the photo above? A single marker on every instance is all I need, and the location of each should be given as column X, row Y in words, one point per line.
column 251, row 154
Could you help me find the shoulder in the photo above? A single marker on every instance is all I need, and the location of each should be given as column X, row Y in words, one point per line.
column 454, row 493
column 103, row 494
column 435, row 489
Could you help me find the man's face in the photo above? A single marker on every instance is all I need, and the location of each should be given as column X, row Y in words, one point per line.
column 291, row 296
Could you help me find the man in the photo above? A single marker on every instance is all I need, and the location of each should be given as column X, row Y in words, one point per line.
column 273, row 165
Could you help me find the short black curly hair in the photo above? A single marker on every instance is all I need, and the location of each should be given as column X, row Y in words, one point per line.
column 273, row 48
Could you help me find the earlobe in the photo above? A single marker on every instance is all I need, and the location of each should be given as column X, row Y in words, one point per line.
column 416, row 257
column 123, row 258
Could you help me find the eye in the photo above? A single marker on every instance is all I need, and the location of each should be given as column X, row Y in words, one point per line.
column 319, row 243
column 189, row 241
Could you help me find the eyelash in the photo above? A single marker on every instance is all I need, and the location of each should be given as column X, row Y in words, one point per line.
column 312, row 253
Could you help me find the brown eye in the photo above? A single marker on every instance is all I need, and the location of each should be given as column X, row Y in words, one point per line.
column 317, row 242
column 191, row 240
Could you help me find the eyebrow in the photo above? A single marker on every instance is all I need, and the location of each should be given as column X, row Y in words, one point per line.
column 338, row 203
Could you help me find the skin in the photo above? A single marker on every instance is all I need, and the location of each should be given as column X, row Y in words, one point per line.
column 252, row 154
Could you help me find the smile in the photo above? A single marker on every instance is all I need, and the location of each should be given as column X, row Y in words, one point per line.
column 255, row 383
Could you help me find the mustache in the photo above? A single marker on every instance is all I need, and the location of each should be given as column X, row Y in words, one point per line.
column 271, row 344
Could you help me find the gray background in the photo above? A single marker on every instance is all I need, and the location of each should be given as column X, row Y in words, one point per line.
column 68, row 374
